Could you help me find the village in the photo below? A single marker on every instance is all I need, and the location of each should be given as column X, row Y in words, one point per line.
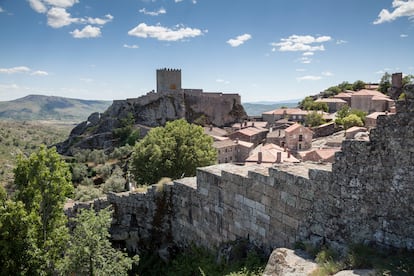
column 282, row 136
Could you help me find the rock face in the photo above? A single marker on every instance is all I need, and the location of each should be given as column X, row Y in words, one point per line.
column 287, row 262
column 152, row 110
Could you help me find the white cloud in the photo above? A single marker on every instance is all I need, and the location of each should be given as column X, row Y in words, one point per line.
column 58, row 17
column 178, row 1
column 402, row 8
column 222, row 81
column 14, row 70
column 308, row 53
column 305, row 60
column 163, row 33
column 327, row 74
column 87, row 32
column 61, row 3
column 1, row 9
column 153, row 13
column 40, row 73
column 241, row 39
column 340, row 41
column 38, row 6
column 403, row 35
column 303, row 43
column 87, row 80
column 131, row 46
column 300, row 70
column 309, row 77
column 97, row 21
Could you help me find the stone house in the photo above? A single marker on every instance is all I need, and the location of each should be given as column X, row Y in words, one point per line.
column 370, row 101
column 371, row 119
column 346, row 96
column 291, row 114
column 298, row 137
column 232, row 151
column 245, row 124
column 215, row 132
column 250, row 134
column 270, row 154
column 321, row 155
column 276, row 136
column 334, row 104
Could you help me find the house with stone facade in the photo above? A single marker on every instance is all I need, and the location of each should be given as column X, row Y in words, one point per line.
column 371, row 101
column 245, row 124
column 298, row 137
column 334, row 104
column 253, row 135
column 321, row 155
column 291, row 114
column 232, row 151
column 270, row 154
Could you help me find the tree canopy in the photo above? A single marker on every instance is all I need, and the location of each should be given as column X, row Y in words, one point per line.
column 90, row 252
column 174, row 151
column 343, row 117
column 309, row 104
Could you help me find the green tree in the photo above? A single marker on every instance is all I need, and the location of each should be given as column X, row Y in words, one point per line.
column 409, row 79
column 358, row 85
column 90, row 252
column 43, row 182
column 309, row 104
column 174, row 151
column 314, row 119
column 352, row 120
column 18, row 252
column 385, row 83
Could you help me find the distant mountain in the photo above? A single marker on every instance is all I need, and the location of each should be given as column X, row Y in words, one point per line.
column 257, row 108
column 38, row 107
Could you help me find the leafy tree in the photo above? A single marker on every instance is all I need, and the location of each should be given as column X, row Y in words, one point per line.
column 314, row 119
column 385, row 83
column 345, row 111
column 409, row 79
column 352, row 120
column 90, row 251
column 172, row 151
column 345, row 86
column 358, row 85
column 43, row 182
column 116, row 182
column 17, row 249
column 309, row 104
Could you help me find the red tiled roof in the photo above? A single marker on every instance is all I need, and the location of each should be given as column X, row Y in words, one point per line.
column 330, row 100
column 296, row 126
column 288, row 111
column 365, row 92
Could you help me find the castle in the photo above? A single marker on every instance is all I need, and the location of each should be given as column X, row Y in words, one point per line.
column 364, row 197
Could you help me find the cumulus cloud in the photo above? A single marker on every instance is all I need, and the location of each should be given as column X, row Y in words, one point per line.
column 308, row 53
column 222, row 81
column 58, row 17
column 402, row 8
column 87, row 32
column 403, row 35
column 340, row 41
column 309, row 78
column 153, row 13
column 178, row 1
column 131, row 46
column 327, row 74
column 305, row 60
column 61, row 3
column 302, row 43
column 1, row 9
column 14, row 70
column 241, row 39
column 97, row 21
column 38, row 6
column 163, row 33
column 39, row 73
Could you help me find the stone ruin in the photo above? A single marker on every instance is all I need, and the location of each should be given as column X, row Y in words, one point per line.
column 366, row 196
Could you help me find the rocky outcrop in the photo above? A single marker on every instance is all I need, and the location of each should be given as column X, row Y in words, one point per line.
column 287, row 262
column 152, row 110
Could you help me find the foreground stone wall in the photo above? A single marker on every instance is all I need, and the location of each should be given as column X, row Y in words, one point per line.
column 365, row 196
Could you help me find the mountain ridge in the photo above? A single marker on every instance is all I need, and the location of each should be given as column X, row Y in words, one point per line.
column 40, row 107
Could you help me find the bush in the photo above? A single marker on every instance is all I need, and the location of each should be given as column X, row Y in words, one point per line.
column 115, row 183
column 87, row 193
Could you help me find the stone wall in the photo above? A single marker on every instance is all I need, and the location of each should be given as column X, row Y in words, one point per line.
column 365, row 196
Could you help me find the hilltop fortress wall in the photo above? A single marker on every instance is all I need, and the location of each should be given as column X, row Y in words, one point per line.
column 365, row 196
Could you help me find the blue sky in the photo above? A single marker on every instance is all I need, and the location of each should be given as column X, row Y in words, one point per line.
column 262, row 49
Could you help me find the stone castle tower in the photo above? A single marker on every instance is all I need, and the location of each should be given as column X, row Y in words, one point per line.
column 168, row 79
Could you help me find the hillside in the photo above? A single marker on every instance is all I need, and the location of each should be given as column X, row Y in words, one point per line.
column 257, row 108
column 38, row 107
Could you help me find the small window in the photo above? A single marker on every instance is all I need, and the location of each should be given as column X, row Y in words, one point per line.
column 300, row 138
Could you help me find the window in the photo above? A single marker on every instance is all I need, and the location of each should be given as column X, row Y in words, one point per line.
column 300, row 146
column 300, row 138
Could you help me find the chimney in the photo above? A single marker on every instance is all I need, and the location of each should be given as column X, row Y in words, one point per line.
column 278, row 157
column 396, row 80
column 259, row 157
column 211, row 127
column 288, row 152
column 252, row 124
column 237, row 140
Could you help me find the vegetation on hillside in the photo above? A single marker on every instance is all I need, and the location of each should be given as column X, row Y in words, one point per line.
column 25, row 138
column 38, row 107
